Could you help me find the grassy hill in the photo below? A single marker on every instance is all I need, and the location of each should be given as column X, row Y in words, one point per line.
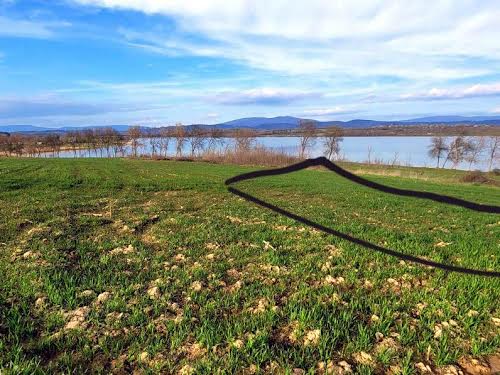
column 128, row 265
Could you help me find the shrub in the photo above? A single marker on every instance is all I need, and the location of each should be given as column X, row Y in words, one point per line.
column 258, row 155
column 475, row 177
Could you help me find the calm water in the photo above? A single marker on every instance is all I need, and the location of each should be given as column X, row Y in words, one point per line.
column 411, row 151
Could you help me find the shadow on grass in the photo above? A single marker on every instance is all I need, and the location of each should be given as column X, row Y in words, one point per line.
column 322, row 161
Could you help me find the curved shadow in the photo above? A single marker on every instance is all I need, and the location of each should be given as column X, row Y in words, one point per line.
column 373, row 185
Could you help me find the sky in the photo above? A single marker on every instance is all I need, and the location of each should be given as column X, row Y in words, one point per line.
column 159, row 62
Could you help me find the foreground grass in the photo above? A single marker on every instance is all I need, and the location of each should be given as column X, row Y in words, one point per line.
column 123, row 265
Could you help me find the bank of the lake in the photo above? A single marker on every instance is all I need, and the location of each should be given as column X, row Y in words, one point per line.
column 407, row 151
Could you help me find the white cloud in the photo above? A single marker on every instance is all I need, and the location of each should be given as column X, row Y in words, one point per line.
column 496, row 110
column 328, row 111
column 10, row 27
column 262, row 96
column 315, row 19
column 359, row 37
column 55, row 106
column 479, row 90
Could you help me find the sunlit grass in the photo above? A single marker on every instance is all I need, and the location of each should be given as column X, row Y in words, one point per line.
column 120, row 265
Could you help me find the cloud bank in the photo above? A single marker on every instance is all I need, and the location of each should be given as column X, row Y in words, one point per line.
column 328, row 112
column 475, row 91
column 416, row 40
column 263, row 96
column 39, row 107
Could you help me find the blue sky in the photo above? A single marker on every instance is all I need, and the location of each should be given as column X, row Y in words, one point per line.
column 158, row 62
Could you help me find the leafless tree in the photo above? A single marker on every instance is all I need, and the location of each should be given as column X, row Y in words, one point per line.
column 215, row 138
column 4, row 137
column 134, row 134
column 164, row 140
column 437, row 149
column 369, row 154
column 16, row 144
column 30, row 145
column 244, row 139
column 154, row 141
column 117, row 143
column 307, row 130
column 88, row 139
column 458, row 149
column 492, row 147
column 38, row 146
column 197, row 138
column 180, row 138
column 476, row 147
column 98, row 144
column 71, row 139
column 53, row 141
column 112, row 140
column 332, row 141
column 97, row 141
column 395, row 159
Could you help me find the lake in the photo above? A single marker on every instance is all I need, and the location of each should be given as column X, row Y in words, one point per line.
column 409, row 151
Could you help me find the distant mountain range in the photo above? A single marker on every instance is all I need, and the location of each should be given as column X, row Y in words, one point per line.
column 461, row 119
column 288, row 122
column 41, row 129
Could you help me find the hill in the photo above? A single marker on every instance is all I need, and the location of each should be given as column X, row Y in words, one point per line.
column 456, row 119
column 288, row 123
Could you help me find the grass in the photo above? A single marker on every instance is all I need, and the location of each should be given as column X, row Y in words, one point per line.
column 131, row 265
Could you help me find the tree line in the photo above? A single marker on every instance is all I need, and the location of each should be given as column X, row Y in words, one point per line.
column 108, row 142
column 193, row 140
column 445, row 150
column 464, row 149
column 100, row 141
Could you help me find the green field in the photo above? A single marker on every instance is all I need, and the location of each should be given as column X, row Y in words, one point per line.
column 152, row 266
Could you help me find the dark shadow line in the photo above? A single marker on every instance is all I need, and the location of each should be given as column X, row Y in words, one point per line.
column 370, row 184
column 376, row 186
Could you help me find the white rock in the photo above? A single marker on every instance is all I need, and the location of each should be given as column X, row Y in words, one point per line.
column 103, row 297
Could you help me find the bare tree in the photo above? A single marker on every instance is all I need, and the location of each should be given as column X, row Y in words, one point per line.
column 369, row 154
column 134, row 133
column 215, row 138
column 244, row 139
column 476, row 147
column 4, row 141
column 80, row 142
column 457, row 151
column 307, row 130
column 88, row 139
column 164, row 140
column 437, row 149
column 16, row 144
column 30, row 145
column 395, row 159
column 197, row 137
column 71, row 139
column 492, row 146
column 107, row 138
column 180, row 138
column 53, row 141
column 332, row 141
column 154, row 141
column 117, row 143
column 38, row 146
column 99, row 141
column 96, row 141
